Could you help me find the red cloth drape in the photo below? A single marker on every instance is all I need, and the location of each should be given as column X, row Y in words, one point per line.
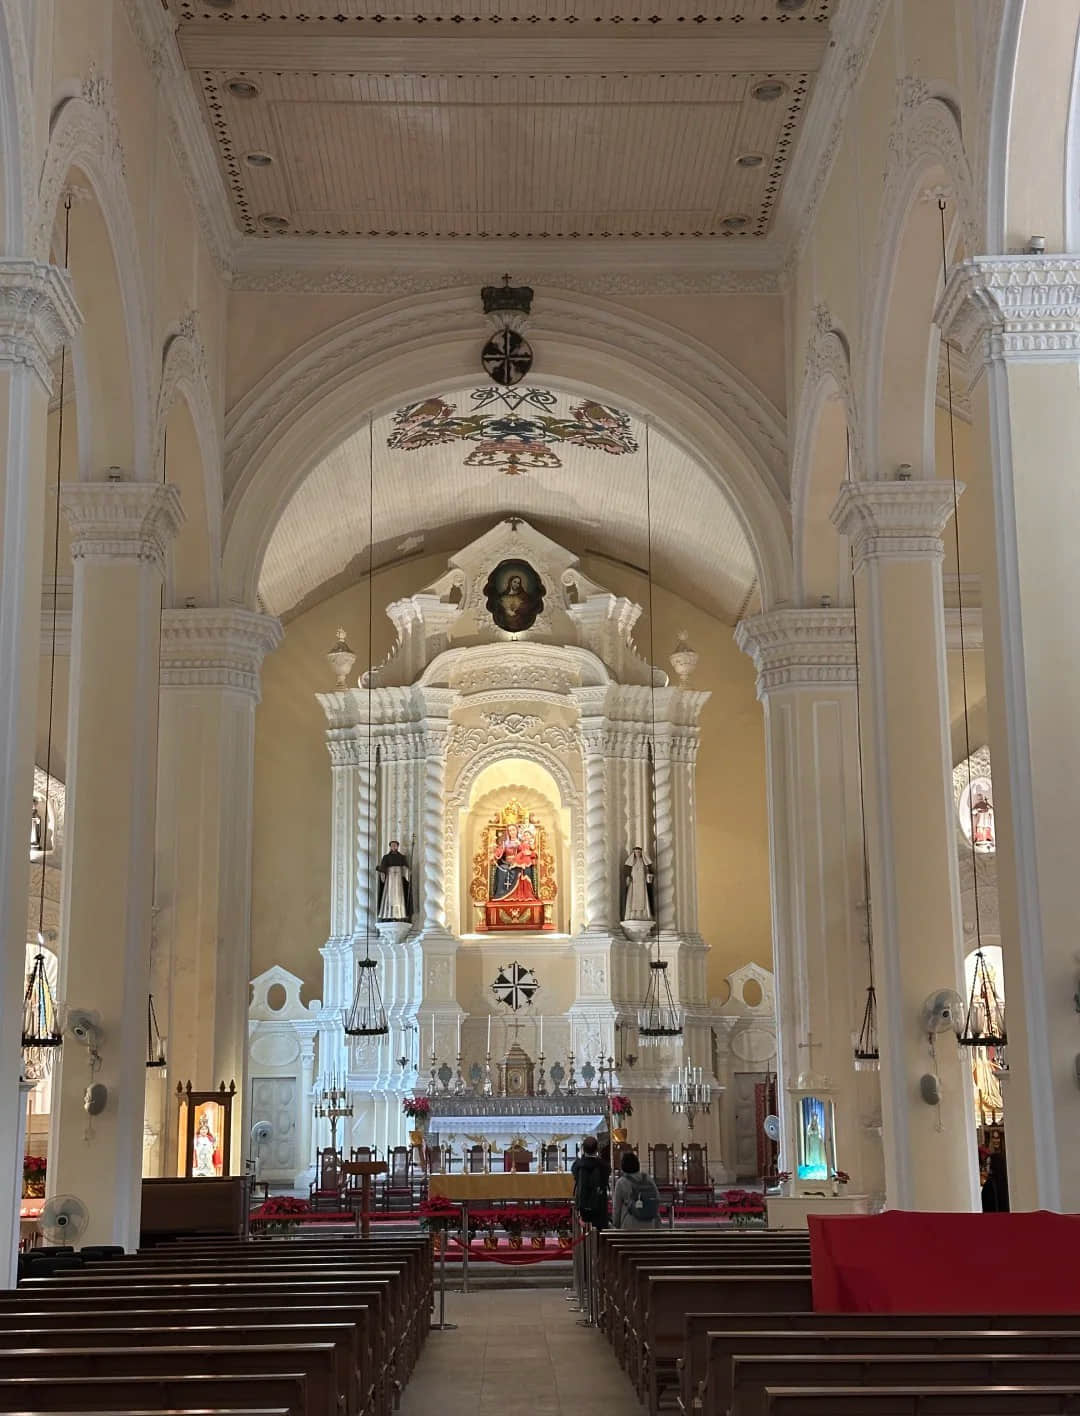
column 905, row 1262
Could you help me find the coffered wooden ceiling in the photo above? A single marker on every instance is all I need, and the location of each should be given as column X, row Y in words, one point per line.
column 504, row 119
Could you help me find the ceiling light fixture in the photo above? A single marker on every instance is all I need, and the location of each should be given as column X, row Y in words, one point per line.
column 243, row 88
column 228, row 4
column 735, row 223
column 258, row 159
column 768, row 91
column 790, row 6
column 749, row 159
column 272, row 221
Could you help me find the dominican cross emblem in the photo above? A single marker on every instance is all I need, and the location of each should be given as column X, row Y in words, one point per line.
column 515, row 985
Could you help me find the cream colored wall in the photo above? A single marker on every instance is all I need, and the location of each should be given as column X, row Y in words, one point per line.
column 290, row 893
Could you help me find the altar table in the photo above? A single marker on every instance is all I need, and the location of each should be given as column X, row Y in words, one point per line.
column 550, row 1185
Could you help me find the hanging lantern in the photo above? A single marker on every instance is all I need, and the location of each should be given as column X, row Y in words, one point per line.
column 984, row 1021
column 658, row 1017
column 867, row 1055
column 367, row 1016
column 41, row 1034
column 155, row 1043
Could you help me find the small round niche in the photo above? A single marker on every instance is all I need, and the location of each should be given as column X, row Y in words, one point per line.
column 276, row 997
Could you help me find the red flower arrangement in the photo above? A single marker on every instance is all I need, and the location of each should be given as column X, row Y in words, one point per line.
column 742, row 1206
column 439, row 1214
column 621, row 1106
column 418, row 1108
column 280, row 1214
column 33, row 1174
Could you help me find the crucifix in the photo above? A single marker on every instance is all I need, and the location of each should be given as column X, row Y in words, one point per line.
column 515, row 1027
column 809, row 1046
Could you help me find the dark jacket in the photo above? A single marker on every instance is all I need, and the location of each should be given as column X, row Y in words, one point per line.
column 591, row 1175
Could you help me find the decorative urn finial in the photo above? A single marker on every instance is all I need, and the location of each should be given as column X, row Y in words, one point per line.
column 685, row 659
column 341, row 659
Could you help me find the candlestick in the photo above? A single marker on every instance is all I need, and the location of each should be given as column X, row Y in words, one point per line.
column 433, row 1034
column 459, row 1036
column 541, row 1034
column 489, row 1038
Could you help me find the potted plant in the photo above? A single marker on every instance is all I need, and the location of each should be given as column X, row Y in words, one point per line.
column 621, row 1111
column 33, row 1173
column 536, row 1223
column 437, row 1216
column 417, row 1109
column 281, row 1214
column 487, row 1220
column 513, row 1224
column 743, row 1207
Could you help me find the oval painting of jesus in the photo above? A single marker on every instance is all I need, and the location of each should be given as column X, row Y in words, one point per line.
column 514, row 595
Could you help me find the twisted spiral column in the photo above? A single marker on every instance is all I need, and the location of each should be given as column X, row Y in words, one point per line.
column 433, row 847
column 596, row 891
column 665, row 837
column 365, row 844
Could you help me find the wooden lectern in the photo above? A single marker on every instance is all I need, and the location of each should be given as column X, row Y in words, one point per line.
column 365, row 1169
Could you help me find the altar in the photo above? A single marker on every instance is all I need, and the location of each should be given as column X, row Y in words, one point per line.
column 500, row 1121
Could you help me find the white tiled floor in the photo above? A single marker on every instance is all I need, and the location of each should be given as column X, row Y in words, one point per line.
column 517, row 1352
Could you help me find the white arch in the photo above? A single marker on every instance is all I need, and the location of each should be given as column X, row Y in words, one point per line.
column 184, row 375
column 926, row 135
column 16, row 128
column 827, row 366
column 84, row 133
column 314, row 399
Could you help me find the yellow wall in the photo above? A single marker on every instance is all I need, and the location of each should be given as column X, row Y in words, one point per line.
column 291, row 873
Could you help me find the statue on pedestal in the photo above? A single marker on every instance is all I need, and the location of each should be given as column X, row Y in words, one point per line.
column 638, row 902
column 395, row 889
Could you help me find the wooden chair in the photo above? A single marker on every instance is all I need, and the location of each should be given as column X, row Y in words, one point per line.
column 435, row 1159
column 662, row 1170
column 517, row 1159
column 549, row 1158
column 696, row 1182
column 358, row 1154
column 476, row 1160
column 328, row 1188
column 398, row 1184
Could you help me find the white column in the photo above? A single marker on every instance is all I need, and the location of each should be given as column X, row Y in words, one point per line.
column 1018, row 317
column 594, row 747
column 436, row 730
column 896, row 533
column 120, row 535
column 37, row 314
column 805, row 662
column 210, row 671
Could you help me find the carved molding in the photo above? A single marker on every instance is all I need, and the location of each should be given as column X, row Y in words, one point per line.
column 894, row 520
column 1013, row 307
column 216, row 648
column 799, row 648
column 122, row 520
column 38, row 315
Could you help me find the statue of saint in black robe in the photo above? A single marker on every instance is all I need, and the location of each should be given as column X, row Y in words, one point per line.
column 395, row 888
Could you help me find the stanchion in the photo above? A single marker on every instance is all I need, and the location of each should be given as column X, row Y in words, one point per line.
column 442, row 1325
column 466, row 1238
column 576, row 1294
column 588, row 1250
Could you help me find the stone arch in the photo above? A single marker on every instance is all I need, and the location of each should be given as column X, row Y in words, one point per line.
column 314, row 399
column 569, row 792
column 84, row 140
column 184, row 399
column 827, row 443
column 926, row 156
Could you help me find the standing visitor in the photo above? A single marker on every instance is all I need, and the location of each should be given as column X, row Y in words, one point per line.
column 636, row 1203
column 591, row 1173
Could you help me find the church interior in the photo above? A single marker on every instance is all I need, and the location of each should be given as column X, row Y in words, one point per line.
column 539, row 540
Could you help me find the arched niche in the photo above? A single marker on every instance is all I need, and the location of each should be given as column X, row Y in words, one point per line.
column 512, row 778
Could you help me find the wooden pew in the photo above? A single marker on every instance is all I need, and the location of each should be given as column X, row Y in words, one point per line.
column 717, row 1389
column 699, row 1328
column 282, row 1392
column 923, row 1401
column 313, row 1361
column 752, row 1376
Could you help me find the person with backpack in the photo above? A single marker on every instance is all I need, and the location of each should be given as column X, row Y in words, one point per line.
column 591, row 1173
column 637, row 1200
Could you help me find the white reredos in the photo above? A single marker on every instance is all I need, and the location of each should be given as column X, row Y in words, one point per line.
column 429, row 500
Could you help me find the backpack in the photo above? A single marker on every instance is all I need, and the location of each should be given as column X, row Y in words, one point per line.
column 592, row 1191
column 646, row 1205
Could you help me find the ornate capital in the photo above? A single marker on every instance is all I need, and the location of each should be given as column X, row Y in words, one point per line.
column 114, row 521
column 38, row 314
column 216, row 648
column 799, row 648
column 1013, row 307
column 894, row 520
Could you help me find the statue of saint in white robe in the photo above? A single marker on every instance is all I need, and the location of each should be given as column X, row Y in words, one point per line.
column 638, row 886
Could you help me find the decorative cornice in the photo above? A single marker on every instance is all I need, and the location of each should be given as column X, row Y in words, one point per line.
column 799, row 648
column 1013, row 307
column 216, row 648
column 38, row 315
column 122, row 520
column 894, row 520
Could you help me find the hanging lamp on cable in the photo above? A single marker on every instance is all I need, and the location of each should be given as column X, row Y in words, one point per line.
column 867, row 1050
column 984, row 1017
column 42, row 1034
column 658, row 1017
column 367, row 1015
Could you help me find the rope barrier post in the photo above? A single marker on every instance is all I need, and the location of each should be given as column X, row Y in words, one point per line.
column 442, row 1325
column 588, row 1265
column 465, row 1240
column 577, row 1293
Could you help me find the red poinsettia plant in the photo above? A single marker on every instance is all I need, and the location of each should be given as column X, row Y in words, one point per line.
column 439, row 1214
column 621, row 1106
column 33, row 1174
column 280, row 1214
column 417, row 1108
column 841, row 1177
